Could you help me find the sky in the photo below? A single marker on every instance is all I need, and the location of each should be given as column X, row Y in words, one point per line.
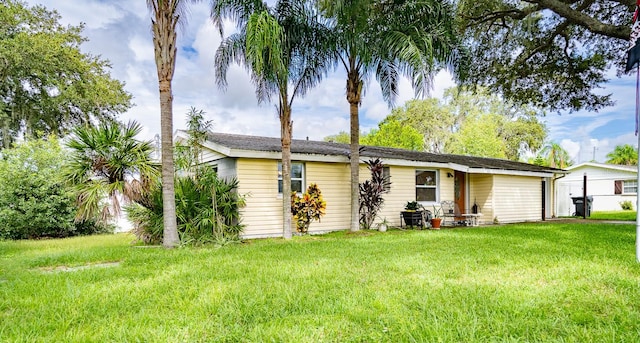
column 120, row 31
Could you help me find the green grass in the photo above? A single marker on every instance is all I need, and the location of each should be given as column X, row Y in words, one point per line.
column 551, row 282
column 613, row 215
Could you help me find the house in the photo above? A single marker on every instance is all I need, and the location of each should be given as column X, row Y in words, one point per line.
column 608, row 184
column 505, row 191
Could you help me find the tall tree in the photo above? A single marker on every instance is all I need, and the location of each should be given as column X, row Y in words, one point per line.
column 108, row 162
column 624, row 155
column 472, row 123
column 549, row 53
column 166, row 15
column 35, row 202
column 387, row 39
column 47, row 85
column 341, row 137
column 478, row 136
column 516, row 126
column 553, row 155
column 430, row 117
column 284, row 48
column 393, row 134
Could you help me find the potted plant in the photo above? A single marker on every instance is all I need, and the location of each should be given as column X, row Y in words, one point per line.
column 412, row 215
column 383, row 225
column 411, row 206
column 436, row 220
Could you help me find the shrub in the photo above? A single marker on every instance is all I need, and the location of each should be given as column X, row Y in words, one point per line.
column 34, row 200
column 626, row 205
column 207, row 210
column 309, row 207
column 371, row 192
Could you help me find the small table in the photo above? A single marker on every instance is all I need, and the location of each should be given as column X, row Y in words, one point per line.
column 472, row 218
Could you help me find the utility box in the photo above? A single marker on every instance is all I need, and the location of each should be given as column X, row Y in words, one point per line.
column 580, row 208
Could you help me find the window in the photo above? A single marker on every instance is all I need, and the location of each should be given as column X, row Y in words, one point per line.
column 386, row 173
column 426, row 185
column 630, row 187
column 297, row 177
column 625, row 187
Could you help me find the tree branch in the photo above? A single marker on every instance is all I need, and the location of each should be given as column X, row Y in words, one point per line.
column 578, row 17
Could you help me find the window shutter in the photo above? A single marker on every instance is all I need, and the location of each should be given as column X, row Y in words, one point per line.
column 617, row 187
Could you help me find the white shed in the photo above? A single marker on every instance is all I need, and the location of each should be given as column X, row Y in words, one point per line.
column 609, row 184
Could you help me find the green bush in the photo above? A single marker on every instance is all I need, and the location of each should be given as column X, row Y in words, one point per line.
column 626, row 205
column 207, row 210
column 34, row 200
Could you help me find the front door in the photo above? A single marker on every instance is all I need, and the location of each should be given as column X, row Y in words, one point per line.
column 459, row 187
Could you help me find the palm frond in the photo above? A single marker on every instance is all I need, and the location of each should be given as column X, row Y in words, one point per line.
column 238, row 11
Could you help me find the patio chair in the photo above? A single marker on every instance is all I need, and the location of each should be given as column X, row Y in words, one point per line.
column 448, row 212
column 451, row 214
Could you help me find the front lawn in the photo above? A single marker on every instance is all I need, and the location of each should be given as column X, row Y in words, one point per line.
column 613, row 215
column 551, row 282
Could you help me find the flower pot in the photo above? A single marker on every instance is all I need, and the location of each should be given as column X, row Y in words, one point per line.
column 435, row 223
column 412, row 218
column 382, row 227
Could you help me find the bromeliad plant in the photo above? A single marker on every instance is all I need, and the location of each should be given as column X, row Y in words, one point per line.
column 310, row 206
column 371, row 192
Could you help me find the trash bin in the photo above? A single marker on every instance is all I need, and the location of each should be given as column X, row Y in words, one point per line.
column 580, row 208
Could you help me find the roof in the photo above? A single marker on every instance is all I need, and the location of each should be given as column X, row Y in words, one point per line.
column 271, row 144
column 632, row 169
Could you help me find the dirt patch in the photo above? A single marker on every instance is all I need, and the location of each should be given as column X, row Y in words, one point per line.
column 57, row 269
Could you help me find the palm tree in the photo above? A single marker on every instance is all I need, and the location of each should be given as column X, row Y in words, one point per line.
column 553, row 155
column 107, row 162
column 387, row 39
column 283, row 49
column 624, row 155
column 165, row 17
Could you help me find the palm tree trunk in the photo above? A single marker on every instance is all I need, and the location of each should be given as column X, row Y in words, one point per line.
column 170, row 233
column 354, row 90
column 285, row 136
column 355, row 167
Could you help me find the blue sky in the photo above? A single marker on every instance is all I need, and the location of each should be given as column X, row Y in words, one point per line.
column 119, row 30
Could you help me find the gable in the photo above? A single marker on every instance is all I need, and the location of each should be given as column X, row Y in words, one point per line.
column 601, row 172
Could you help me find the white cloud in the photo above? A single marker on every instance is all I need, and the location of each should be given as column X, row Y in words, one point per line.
column 119, row 31
column 142, row 48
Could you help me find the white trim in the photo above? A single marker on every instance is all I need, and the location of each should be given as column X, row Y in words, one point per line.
column 436, row 173
column 510, row 172
column 303, row 179
column 632, row 169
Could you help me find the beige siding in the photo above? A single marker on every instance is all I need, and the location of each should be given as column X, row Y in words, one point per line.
column 333, row 179
column 517, row 198
column 446, row 185
column 263, row 214
column 259, row 180
column 403, row 189
column 481, row 191
column 509, row 198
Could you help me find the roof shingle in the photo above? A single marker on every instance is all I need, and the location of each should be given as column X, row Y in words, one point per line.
column 271, row 144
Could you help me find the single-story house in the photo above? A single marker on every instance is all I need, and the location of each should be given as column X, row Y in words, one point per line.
column 608, row 184
column 505, row 191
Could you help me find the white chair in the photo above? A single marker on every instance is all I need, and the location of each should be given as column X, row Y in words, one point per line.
column 448, row 212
